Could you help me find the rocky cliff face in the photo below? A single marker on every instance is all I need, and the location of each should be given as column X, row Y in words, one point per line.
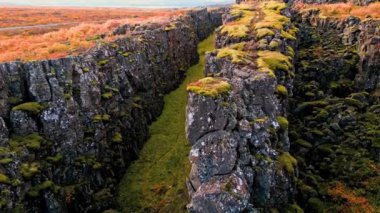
column 335, row 106
column 70, row 127
column 326, row 82
column 362, row 35
column 236, row 117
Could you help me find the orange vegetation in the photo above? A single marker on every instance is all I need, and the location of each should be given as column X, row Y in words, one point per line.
column 353, row 202
column 45, row 42
column 27, row 16
column 343, row 10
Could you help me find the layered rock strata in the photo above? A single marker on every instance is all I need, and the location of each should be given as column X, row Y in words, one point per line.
column 70, row 127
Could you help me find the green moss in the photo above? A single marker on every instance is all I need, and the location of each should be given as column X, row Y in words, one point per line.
column 269, row 24
column 273, row 60
column 311, row 104
column 102, row 63
column 29, row 170
column 93, row 38
column 111, row 211
column 103, row 194
column 237, row 56
column 310, row 94
column 4, row 150
column 210, row 87
column 112, row 89
column 325, row 148
column 283, row 122
column 293, row 30
column 67, row 96
column 355, row 103
column 263, row 32
column 315, row 205
column 237, row 31
column 35, row 190
column 263, row 43
column 290, row 51
column 287, row 36
column 4, row 179
column 303, row 143
column 126, row 54
column 322, row 114
column 107, row 95
column 273, row 6
column 55, row 159
column 88, row 160
column 86, row 70
column 6, row 161
column 163, row 161
column 170, row 27
column 32, row 141
column 261, row 120
column 272, row 18
column 245, row 11
column 287, row 162
column 281, row 89
column 16, row 182
column 117, row 138
column 97, row 166
column 274, row 45
column 376, row 143
column 100, row 118
column 31, row 107
column 294, row 208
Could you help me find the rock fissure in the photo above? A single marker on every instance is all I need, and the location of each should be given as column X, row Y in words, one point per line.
column 285, row 118
column 75, row 124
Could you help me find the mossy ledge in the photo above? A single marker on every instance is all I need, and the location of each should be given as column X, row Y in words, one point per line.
column 31, row 107
column 210, row 87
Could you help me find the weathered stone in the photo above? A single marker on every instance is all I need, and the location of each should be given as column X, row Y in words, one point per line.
column 22, row 124
column 228, row 193
column 4, row 134
column 214, row 154
column 208, row 114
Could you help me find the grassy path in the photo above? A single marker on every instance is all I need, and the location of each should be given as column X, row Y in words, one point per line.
column 156, row 181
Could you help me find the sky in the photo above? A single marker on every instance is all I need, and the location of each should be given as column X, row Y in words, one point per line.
column 116, row 3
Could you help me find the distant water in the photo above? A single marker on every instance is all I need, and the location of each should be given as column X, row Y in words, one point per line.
column 118, row 3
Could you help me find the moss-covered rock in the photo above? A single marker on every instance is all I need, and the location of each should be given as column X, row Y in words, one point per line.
column 287, row 162
column 210, row 87
column 31, row 107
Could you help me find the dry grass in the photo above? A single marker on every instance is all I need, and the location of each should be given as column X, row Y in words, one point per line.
column 26, row 16
column 344, row 10
column 49, row 43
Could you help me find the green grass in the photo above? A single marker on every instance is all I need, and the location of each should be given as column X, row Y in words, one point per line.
column 156, row 181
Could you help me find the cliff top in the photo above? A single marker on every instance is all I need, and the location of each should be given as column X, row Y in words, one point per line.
column 343, row 10
column 48, row 33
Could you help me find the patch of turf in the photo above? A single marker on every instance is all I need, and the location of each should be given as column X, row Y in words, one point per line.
column 156, row 181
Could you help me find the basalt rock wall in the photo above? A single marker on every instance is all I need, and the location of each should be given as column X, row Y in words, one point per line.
column 362, row 35
column 334, row 113
column 70, row 127
column 236, row 116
